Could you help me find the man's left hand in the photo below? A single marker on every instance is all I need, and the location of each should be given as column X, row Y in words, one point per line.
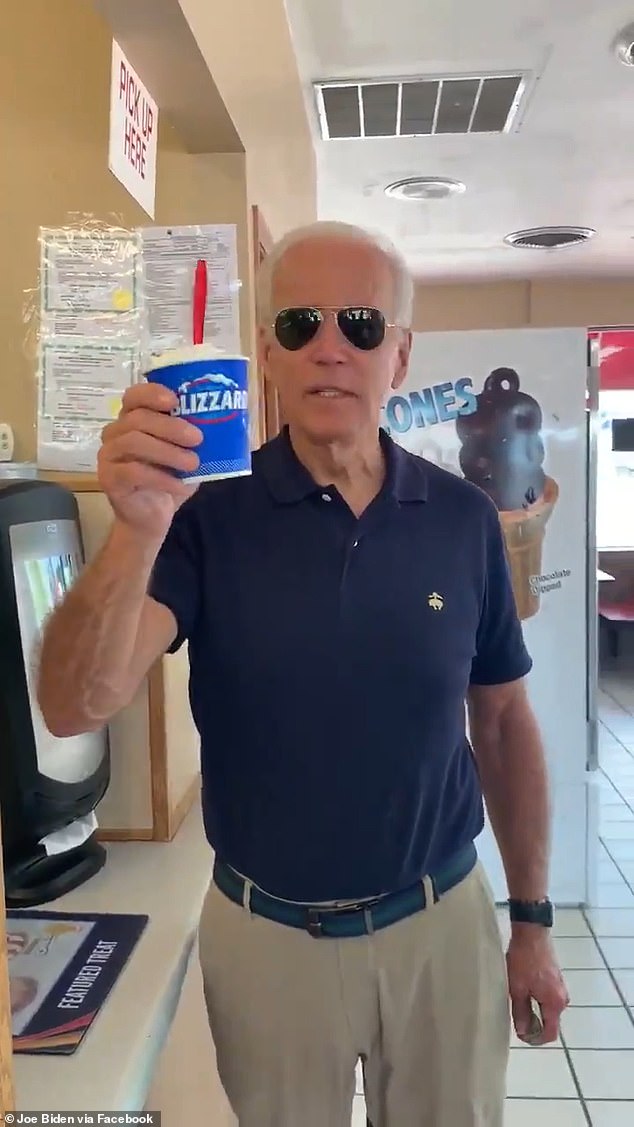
column 534, row 975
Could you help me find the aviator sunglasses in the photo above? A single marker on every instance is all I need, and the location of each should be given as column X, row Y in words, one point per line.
column 363, row 326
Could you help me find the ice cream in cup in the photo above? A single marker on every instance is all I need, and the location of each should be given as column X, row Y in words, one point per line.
column 212, row 391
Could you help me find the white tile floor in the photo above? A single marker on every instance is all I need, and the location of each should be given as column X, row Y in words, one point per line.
column 587, row 1079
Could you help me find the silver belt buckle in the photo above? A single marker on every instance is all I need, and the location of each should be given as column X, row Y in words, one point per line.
column 315, row 926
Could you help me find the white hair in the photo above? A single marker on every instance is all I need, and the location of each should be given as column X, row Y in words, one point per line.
column 347, row 232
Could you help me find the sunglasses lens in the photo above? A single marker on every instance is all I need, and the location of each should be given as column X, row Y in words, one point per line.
column 294, row 328
column 362, row 326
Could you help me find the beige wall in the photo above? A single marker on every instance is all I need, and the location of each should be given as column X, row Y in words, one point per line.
column 55, row 128
column 248, row 49
column 561, row 303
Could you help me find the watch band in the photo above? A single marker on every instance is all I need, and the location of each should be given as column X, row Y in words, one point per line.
column 538, row 912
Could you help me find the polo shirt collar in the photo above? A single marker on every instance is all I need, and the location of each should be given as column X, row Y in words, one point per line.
column 290, row 482
column 407, row 477
column 287, row 478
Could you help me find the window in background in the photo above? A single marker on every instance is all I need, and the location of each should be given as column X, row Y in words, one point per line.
column 615, row 453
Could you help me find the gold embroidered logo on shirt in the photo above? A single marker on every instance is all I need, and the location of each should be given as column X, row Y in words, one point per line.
column 436, row 601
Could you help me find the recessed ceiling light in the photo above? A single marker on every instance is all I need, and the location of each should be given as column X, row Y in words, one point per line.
column 623, row 46
column 549, row 238
column 424, row 188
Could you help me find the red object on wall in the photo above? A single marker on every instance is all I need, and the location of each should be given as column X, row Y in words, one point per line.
column 616, row 359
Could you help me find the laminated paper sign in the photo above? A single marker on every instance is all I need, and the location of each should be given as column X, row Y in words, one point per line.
column 110, row 297
column 90, row 338
column 133, row 132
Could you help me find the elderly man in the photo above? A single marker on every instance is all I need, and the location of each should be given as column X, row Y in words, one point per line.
column 348, row 917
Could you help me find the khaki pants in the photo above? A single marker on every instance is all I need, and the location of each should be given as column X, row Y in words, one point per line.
column 424, row 1004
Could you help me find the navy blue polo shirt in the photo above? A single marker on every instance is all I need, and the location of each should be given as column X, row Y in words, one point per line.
column 330, row 658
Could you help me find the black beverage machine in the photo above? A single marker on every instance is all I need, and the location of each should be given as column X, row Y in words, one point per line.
column 47, row 784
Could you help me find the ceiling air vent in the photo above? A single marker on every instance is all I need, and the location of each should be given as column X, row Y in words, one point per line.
column 419, row 107
column 549, row 238
column 425, row 188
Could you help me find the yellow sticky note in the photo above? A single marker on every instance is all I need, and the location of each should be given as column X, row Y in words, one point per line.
column 54, row 929
column 122, row 300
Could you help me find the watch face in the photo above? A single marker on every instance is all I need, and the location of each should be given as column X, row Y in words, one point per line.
column 532, row 913
column 545, row 914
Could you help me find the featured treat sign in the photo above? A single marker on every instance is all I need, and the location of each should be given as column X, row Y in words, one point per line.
column 507, row 411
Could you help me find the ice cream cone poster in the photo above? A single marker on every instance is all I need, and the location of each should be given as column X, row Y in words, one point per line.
column 507, row 410
column 482, row 406
column 502, row 451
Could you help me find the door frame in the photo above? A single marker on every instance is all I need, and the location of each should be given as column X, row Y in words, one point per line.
column 593, row 389
column 270, row 415
column 592, row 587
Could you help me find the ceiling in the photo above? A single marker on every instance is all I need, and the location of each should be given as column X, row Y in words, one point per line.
column 567, row 159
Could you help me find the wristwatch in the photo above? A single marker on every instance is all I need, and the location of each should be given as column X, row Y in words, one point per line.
column 538, row 912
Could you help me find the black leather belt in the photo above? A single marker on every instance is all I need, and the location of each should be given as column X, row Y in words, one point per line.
column 352, row 920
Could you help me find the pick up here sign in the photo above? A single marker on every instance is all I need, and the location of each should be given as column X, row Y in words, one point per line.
column 133, row 132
